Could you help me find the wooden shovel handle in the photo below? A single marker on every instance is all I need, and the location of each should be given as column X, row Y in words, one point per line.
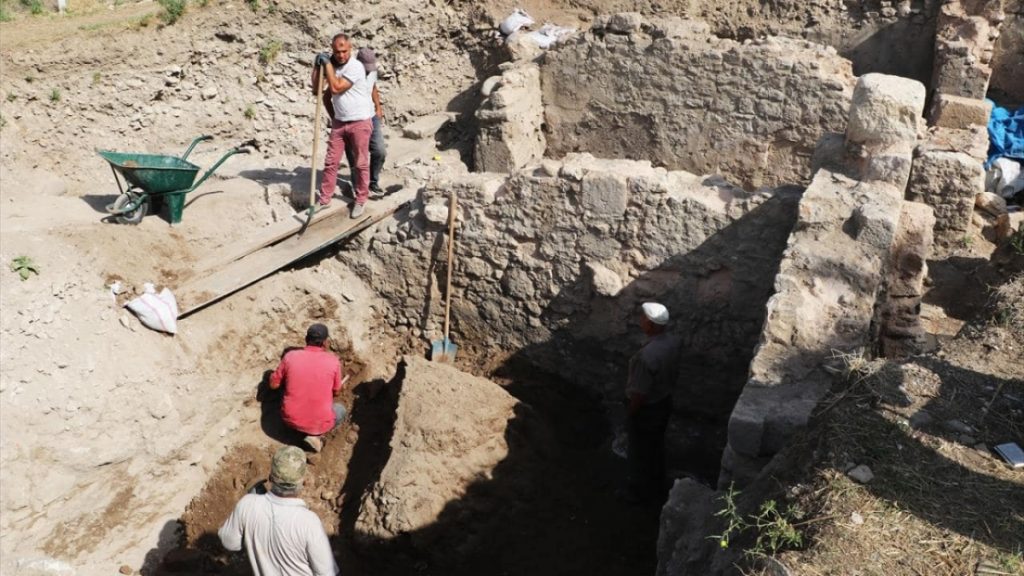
column 316, row 135
column 452, row 203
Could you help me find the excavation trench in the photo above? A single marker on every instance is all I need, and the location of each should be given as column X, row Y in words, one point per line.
column 548, row 507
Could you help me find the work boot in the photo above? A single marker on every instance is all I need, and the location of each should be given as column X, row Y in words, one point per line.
column 314, row 442
column 357, row 210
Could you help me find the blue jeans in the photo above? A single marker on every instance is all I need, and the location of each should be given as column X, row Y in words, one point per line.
column 339, row 415
column 378, row 152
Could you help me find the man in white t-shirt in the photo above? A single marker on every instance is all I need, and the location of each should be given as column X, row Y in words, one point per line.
column 352, row 124
column 281, row 536
column 378, row 148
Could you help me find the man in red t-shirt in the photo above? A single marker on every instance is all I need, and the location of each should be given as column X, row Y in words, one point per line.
column 312, row 377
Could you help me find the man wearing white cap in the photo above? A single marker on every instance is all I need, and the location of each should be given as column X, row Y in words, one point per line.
column 653, row 372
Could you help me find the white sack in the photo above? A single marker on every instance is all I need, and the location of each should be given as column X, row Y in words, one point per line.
column 1006, row 177
column 514, row 21
column 156, row 311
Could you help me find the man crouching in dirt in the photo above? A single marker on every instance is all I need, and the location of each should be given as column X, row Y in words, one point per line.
column 652, row 376
column 311, row 377
column 282, row 537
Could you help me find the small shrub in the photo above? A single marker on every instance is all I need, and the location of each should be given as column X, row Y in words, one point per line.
column 774, row 529
column 270, row 51
column 172, row 11
column 145, row 20
column 250, row 112
column 24, row 266
column 5, row 16
column 34, row 6
column 55, row 95
column 96, row 77
column 254, row 5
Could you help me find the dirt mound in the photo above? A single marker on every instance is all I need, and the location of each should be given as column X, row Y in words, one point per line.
column 450, row 431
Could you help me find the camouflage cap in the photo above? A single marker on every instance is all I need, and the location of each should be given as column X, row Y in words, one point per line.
column 288, row 467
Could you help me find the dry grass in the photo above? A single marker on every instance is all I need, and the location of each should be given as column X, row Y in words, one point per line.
column 940, row 502
column 1007, row 304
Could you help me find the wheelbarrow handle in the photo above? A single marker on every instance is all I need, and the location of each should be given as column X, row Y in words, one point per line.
column 202, row 138
column 213, row 168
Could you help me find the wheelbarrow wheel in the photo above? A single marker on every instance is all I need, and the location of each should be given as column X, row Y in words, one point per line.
column 133, row 217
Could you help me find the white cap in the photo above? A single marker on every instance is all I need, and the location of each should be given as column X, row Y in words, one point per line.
column 656, row 313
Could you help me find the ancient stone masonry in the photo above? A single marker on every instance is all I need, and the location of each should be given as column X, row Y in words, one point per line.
column 555, row 263
column 901, row 331
column 510, row 120
column 964, row 45
column 672, row 93
column 833, row 267
column 948, row 171
column 1007, row 82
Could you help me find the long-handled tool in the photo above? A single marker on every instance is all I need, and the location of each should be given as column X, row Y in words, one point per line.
column 316, row 140
column 444, row 350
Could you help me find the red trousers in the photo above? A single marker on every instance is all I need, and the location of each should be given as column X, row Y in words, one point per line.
column 356, row 137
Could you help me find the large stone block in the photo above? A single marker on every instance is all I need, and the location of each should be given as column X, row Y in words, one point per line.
column 885, row 110
column 948, row 182
column 959, row 113
column 604, row 195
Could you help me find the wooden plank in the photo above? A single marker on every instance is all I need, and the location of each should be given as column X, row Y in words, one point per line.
column 269, row 235
column 248, row 270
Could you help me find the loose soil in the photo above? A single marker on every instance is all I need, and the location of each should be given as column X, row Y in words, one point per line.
column 570, row 521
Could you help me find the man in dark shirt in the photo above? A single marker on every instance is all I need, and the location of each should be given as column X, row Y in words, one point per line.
column 653, row 372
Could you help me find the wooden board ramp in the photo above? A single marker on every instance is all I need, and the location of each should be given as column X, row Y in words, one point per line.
column 255, row 264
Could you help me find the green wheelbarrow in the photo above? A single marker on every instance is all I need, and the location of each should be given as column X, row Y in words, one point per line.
column 151, row 178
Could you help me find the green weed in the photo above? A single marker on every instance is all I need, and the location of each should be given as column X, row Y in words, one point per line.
column 55, row 95
column 1017, row 241
column 96, row 77
column 254, row 5
column 269, row 51
column 172, row 11
column 5, row 16
column 35, row 7
column 774, row 529
column 24, row 266
column 250, row 112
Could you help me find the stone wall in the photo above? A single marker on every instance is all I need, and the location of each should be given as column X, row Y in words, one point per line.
column 552, row 266
column 828, row 281
column 1007, row 82
column 672, row 93
column 510, row 120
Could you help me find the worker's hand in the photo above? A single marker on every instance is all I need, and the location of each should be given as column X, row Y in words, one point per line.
column 321, row 59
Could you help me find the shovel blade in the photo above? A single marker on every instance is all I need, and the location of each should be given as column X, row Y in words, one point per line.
column 443, row 350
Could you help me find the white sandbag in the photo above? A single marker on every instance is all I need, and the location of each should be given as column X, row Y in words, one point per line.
column 1005, row 177
column 514, row 21
column 156, row 311
column 549, row 35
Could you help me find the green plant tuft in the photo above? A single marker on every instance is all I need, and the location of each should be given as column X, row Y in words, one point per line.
column 24, row 266
column 55, row 95
column 250, row 112
column 172, row 11
column 269, row 51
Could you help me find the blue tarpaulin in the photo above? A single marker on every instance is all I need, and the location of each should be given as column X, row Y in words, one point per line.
column 1005, row 133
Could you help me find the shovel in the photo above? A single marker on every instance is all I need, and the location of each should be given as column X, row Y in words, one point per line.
column 444, row 350
column 316, row 139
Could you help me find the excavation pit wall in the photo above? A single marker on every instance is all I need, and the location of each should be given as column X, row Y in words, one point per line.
column 551, row 266
column 673, row 93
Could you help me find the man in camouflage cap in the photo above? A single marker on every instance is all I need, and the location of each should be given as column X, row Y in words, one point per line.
column 282, row 537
